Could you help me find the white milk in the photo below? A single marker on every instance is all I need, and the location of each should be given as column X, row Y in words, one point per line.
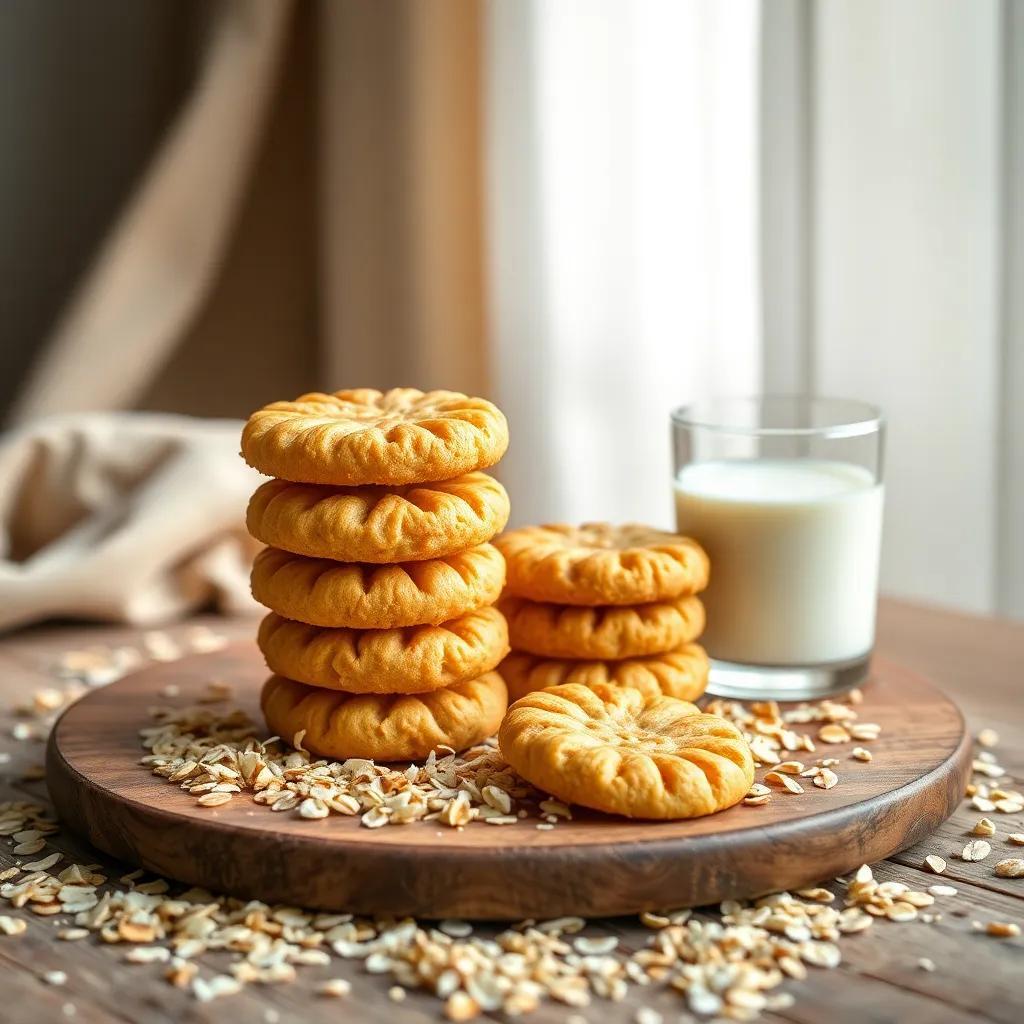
column 794, row 547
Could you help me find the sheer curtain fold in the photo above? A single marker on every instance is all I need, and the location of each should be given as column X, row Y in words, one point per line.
column 622, row 202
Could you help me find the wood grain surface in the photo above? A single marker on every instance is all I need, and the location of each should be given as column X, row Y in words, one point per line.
column 978, row 661
column 594, row 865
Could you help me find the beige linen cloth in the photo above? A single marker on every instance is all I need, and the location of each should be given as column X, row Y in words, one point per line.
column 131, row 517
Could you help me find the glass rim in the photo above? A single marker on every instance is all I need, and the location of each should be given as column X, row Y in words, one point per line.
column 871, row 421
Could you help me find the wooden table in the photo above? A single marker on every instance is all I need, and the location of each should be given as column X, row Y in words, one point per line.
column 978, row 661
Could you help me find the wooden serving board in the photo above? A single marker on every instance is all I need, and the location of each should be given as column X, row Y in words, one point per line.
column 593, row 865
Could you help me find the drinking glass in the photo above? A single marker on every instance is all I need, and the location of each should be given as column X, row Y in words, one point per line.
column 785, row 494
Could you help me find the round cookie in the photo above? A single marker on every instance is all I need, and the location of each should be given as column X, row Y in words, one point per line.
column 378, row 524
column 384, row 727
column 411, row 659
column 350, row 438
column 356, row 595
column 598, row 563
column 682, row 673
column 614, row 750
column 606, row 633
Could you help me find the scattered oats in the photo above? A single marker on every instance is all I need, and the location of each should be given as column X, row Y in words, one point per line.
column 456, row 929
column 43, row 864
column 826, row 779
column 935, row 864
column 787, row 782
column 865, row 731
column 461, row 1007
column 646, row 1015
column 1009, row 806
column 861, row 754
column 335, row 987
column 833, row 733
column 591, row 946
column 1014, row 837
column 54, row 977
column 297, row 741
column 72, row 934
column 21, row 731
column 984, row 827
column 976, row 850
column 901, row 911
column 214, row 799
column 148, row 955
column 942, row 890
column 983, row 804
column 544, row 826
column 219, row 985
column 215, row 691
column 30, row 847
column 396, row 993
column 988, row 738
column 1002, row 929
column 11, row 925
column 1012, row 867
column 925, row 964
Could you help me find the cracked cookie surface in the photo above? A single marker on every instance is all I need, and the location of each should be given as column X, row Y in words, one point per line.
column 384, row 727
column 378, row 524
column 600, row 563
column 363, row 436
column 612, row 749
column 408, row 659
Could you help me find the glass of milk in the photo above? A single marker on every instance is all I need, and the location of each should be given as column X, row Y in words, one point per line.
column 785, row 494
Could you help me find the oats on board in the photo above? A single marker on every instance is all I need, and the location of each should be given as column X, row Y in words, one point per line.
column 983, row 827
column 935, row 864
column 988, row 738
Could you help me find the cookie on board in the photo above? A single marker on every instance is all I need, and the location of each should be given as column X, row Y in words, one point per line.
column 612, row 749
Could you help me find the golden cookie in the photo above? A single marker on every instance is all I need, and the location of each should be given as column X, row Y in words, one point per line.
column 412, row 659
column 384, row 727
column 598, row 563
column 378, row 524
column 361, row 596
column 350, row 438
column 606, row 633
column 682, row 673
column 615, row 750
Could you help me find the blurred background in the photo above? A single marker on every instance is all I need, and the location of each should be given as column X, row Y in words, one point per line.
column 590, row 211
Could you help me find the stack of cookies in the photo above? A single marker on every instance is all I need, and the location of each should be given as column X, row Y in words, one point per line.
column 379, row 576
column 602, row 604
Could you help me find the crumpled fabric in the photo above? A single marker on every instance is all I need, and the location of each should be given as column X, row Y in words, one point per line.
column 123, row 517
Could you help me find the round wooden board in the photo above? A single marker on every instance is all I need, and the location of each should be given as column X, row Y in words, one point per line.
column 593, row 865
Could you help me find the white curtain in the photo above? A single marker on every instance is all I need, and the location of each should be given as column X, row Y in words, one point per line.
column 623, row 182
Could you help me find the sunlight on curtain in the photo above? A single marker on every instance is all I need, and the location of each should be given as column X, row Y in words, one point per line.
column 622, row 210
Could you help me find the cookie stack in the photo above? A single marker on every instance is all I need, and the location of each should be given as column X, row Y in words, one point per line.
column 602, row 604
column 379, row 576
